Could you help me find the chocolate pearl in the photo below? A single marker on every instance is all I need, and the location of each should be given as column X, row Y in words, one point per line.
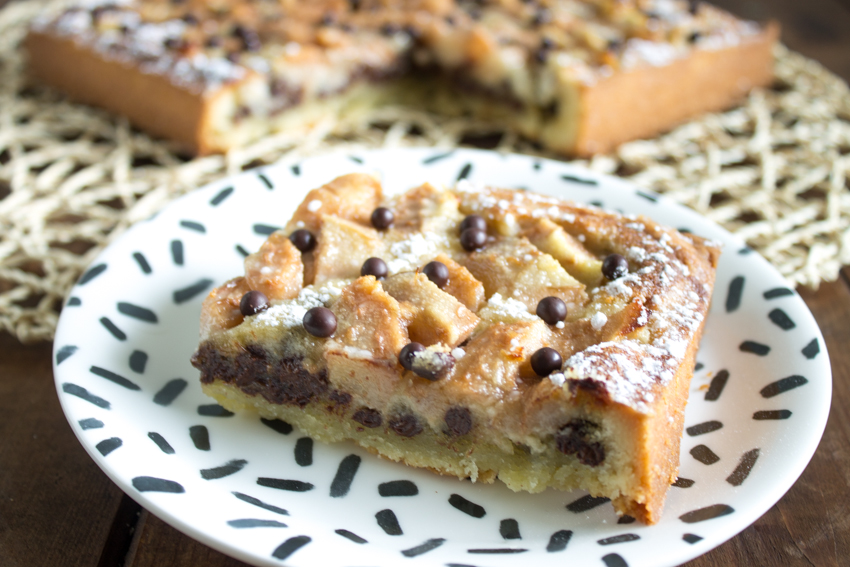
column 473, row 239
column 368, row 417
column 253, row 302
column 303, row 239
column 473, row 221
column 614, row 266
column 546, row 361
column 250, row 39
column 374, row 267
column 458, row 421
column 552, row 310
column 406, row 425
column 320, row 322
column 405, row 357
column 437, row 272
column 382, row 218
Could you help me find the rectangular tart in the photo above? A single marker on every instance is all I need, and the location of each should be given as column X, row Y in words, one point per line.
column 478, row 332
column 577, row 76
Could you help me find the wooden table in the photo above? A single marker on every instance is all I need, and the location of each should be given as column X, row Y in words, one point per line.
column 57, row 508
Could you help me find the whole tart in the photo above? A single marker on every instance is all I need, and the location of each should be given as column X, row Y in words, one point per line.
column 479, row 332
column 577, row 76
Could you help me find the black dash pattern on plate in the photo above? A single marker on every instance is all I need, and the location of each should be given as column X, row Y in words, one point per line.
column 683, row 482
column 91, row 274
column 397, row 488
column 260, row 504
column 464, row 171
column 707, row 513
column 614, row 560
column 704, row 455
column 200, row 436
column 242, row 252
column 108, row 445
column 255, row 523
column 626, row 519
column 192, row 225
column 221, row 196
column 137, row 312
column 304, row 452
column 437, row 157
column 781, row 319
column 811, row 350
column 90, row 423
column 285, row 484
column 290, row 546
column 142, row 262
column 64, row 353
column 296, row 170
column 357, row 160
column 425, row 547
column 691, row 538
column 733, row 297
column 782, row 386
column 467, row 507
column 764, row 415
column 113, row 377
column 717, row 385
column 170, row 391
column 388, row 522
column 622, row 538
column 777, row 292
column 154, row 484
column 160, row 442
column 586, row 503
column 230, row 467
column 509, row 529
column 266, row 181
column 138, row 361
column 350, row 536
column 113, row 329
column 83, row 394
column 278, row 425
column 74, row 302
column 177, row 252
column 184, row 294
column 744, row 468
column 213, row 410
column 264, row 229
column 579, row 180
column 344, row 476
column 754, row 348
column 703, row 428
column 648, row 196
column 559, row 540
column 497, row 550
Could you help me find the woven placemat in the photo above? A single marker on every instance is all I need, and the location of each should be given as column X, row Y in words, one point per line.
column 72, row 178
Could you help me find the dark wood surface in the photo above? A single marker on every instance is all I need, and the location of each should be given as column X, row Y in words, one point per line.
column 58, row 509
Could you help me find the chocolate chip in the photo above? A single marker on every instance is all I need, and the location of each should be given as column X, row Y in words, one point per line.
column 320, row 322
column 253, row 302
column 214, row 41
column 542, row 16
column 552, row 310
column 174, row 43
column 390, row 28
column 694, row 37
column 190, row 19
column 368, row 417
column 233, row 56
column 382, row 218
column 614, row 266
column 574, row 439
column 458, row 421
column 328, row 19
column 250, row 39
column 545, row 361
column 405, row 357
column 374, row 267
column 473, row 221
column 406, row 425
column 355, row 4
column 433, row 367
column 473, row 239
column 303, row 239
column 437, row 272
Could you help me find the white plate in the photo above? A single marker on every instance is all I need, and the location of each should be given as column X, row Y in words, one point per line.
column 125, row 383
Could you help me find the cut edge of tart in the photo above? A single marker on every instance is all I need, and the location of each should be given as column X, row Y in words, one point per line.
column 478, row 332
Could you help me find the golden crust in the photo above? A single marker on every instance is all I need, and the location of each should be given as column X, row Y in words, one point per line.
column 608, row 421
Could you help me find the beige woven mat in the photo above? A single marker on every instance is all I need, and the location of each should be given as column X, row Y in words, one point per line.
column 774, row 171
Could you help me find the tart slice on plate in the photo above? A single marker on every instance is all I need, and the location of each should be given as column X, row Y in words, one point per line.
column 479, row 332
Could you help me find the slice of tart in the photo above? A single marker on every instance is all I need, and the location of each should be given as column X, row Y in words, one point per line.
column 478, row 332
